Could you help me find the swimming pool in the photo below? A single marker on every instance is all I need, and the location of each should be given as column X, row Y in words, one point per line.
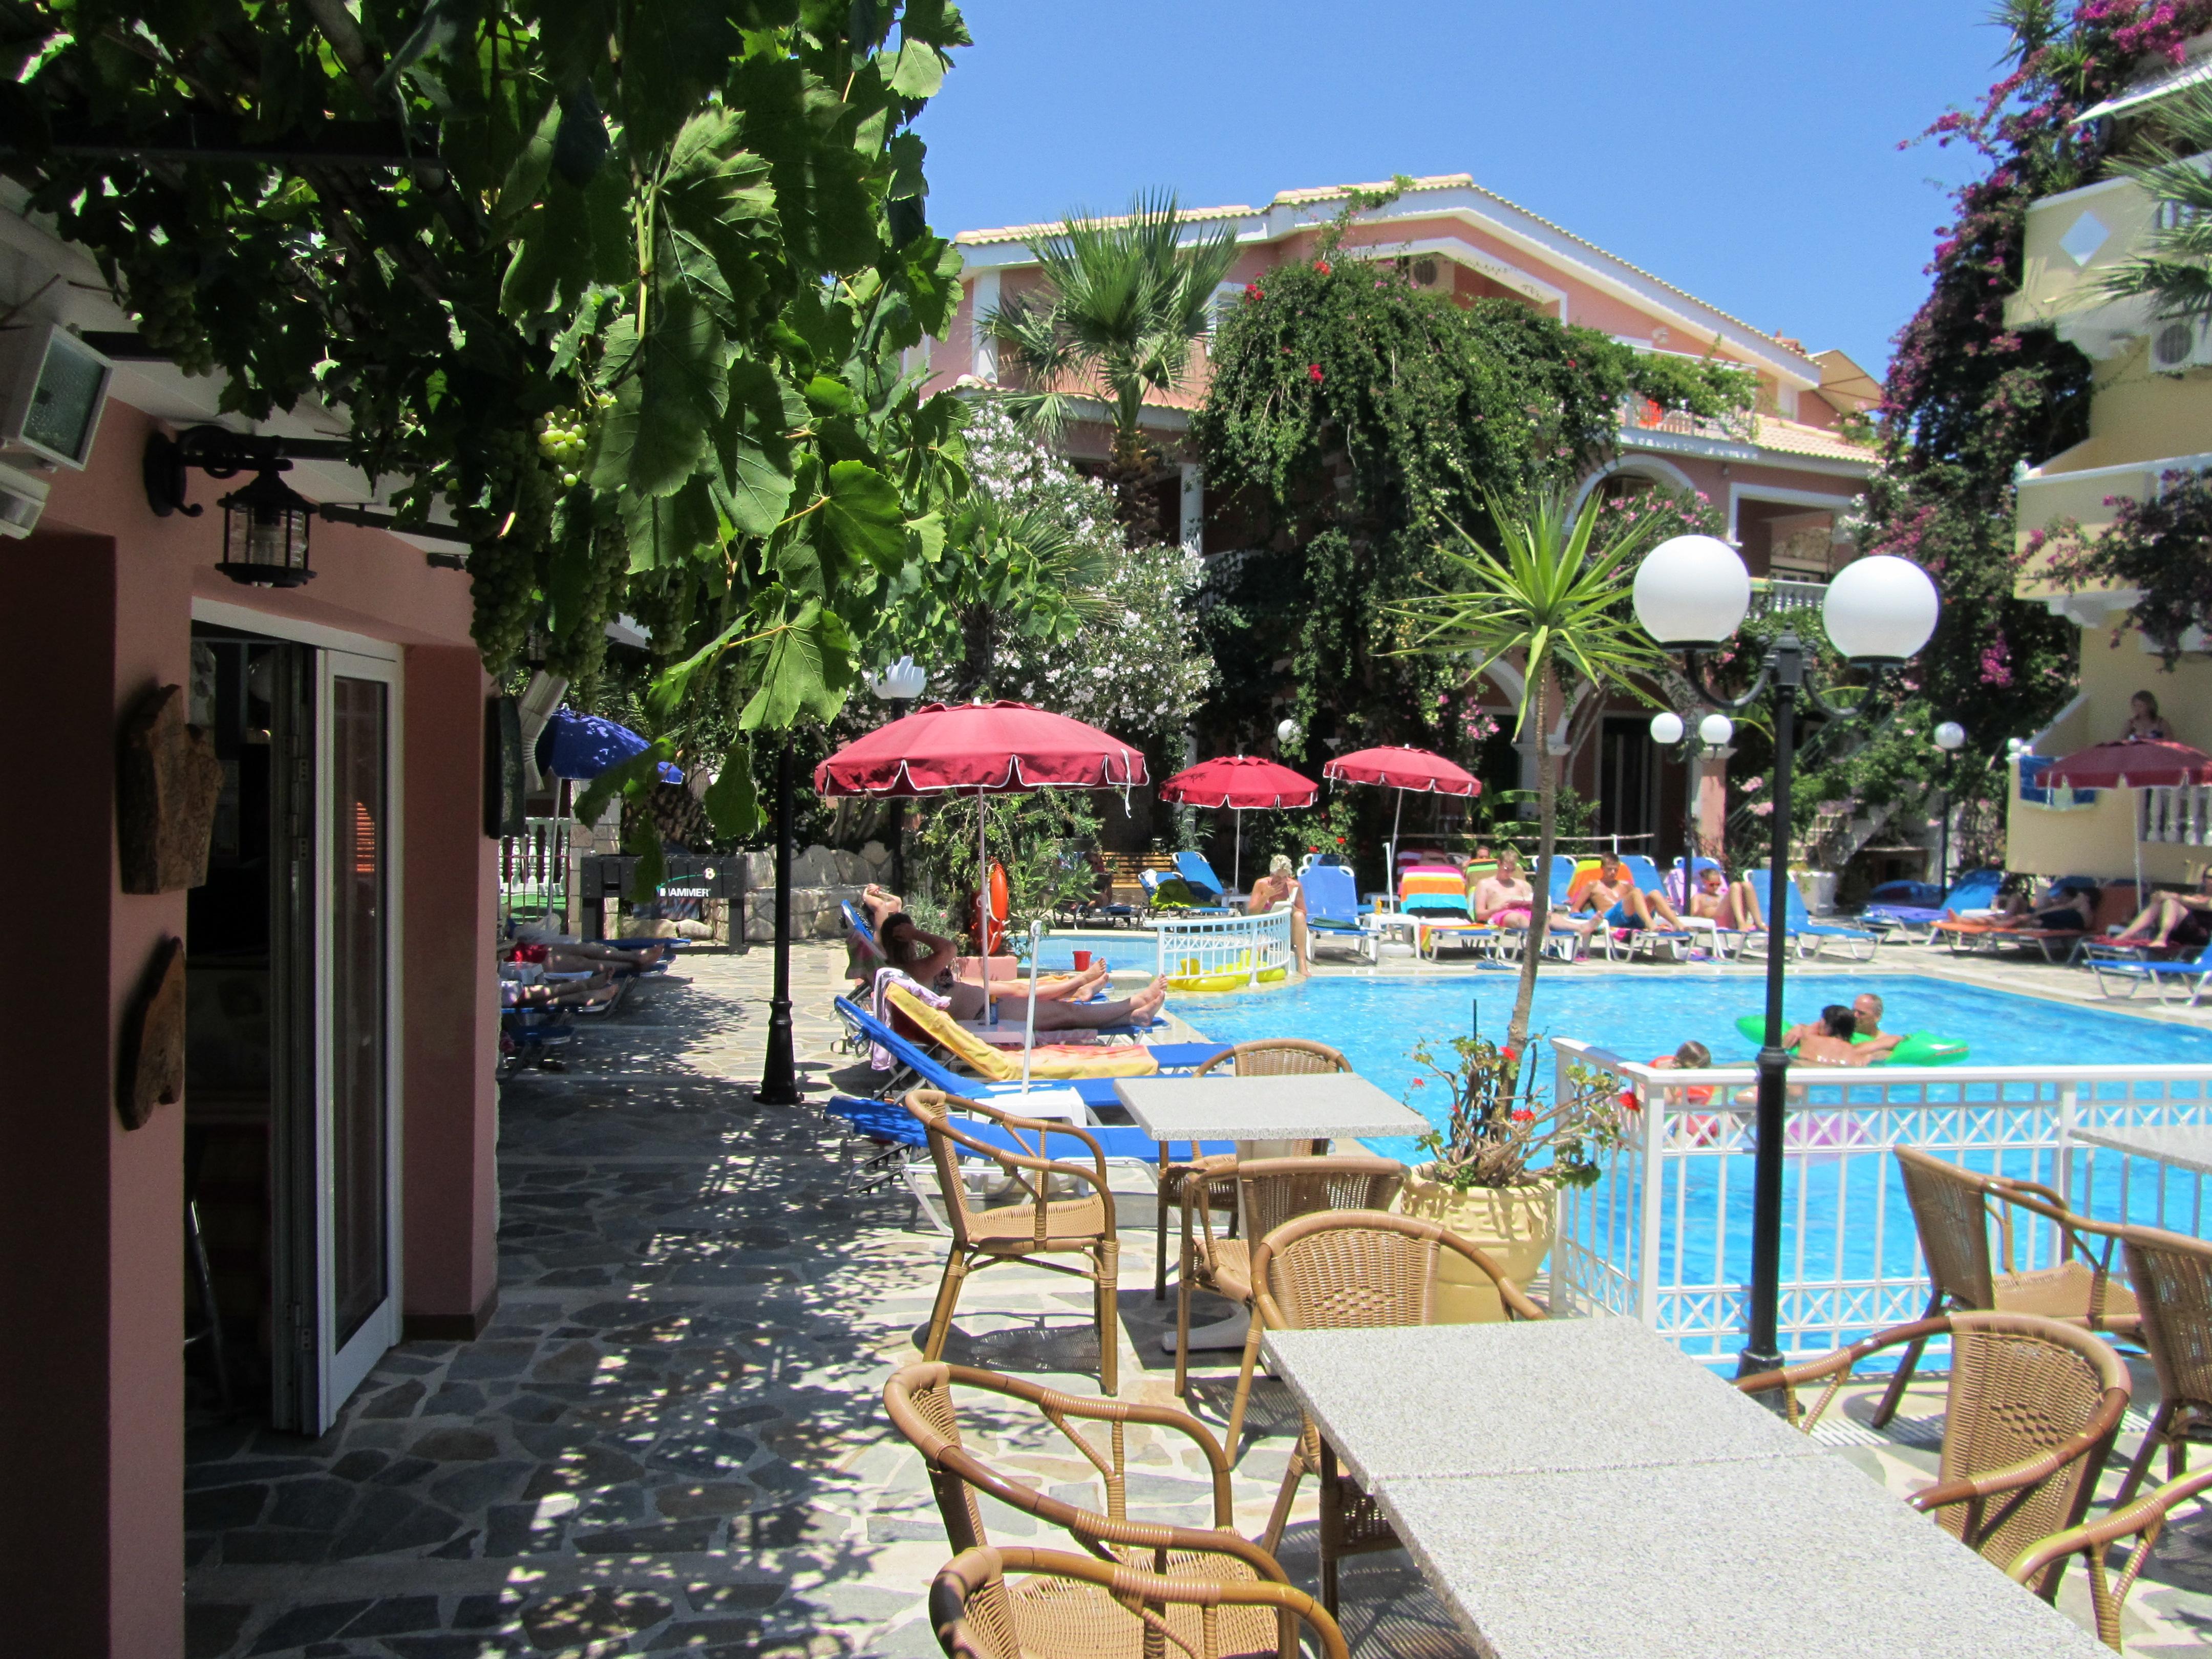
column 1377, row 1020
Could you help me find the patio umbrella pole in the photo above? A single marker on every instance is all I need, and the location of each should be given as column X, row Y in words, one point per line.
column 1391, row 875
column 983, row 912
column 778, row 1086
column 1237, row 855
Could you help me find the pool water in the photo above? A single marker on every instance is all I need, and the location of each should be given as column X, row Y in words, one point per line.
column 1376, row 1020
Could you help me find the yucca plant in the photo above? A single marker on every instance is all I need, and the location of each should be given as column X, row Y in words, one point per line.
column 1549, row 605
column 1125, row 301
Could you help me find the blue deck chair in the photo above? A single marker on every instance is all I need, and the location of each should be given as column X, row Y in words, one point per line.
column 858, row 925
column 1198, row 875
column 1172, row 1057
column 1977, row 889
column 1332, row 907
column 1810, row 937
column 1645, row 874
column 2192, row 977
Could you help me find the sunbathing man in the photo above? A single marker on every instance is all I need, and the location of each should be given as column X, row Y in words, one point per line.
column 929, row 958
column 1827, row 1041
column 581, row 994
column 1733, row 905
column 1504, row 899
column 1866, row 1022
column 2062, row 906
column 2183, row 919
column 1615, row 896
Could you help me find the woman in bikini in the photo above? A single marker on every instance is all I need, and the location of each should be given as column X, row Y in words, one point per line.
column 927, row 959
column 1730, row 905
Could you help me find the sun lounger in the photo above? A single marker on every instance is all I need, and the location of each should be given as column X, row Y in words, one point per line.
column 1432, row 905
column 1333, row 909
column 1646, row 875
column 2114, row 906
column 2191, row 979
column 1168, row 1059
column 1810, row 937
column 1198, row 875
column 1977, row 889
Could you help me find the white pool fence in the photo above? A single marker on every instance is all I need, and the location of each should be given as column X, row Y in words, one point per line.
column 1665, row 1233
column 1236, row 951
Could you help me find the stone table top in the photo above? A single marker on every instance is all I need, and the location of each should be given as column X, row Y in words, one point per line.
column 1339, row 1103
column 1779, row 1558
column 2185, row 1148
column 1521, row 1397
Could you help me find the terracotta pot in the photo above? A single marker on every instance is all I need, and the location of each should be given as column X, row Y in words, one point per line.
column 1514, row 1225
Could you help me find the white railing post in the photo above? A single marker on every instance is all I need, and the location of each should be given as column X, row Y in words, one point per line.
column 1653, row 1193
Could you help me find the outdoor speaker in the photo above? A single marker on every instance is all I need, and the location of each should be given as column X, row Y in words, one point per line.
column 52, row 388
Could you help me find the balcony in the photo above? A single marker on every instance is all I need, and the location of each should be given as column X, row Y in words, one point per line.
column 1640, row 416
column 1772, row 596
column 2075, row 241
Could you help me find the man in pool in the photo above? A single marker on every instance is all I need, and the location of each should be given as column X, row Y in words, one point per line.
column 1866, row 1022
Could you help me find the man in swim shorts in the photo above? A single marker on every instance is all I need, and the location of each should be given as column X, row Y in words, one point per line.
column 1828, row 1042
column 1615, row 896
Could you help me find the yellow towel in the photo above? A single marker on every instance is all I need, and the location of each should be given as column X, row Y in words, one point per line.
column 997, row 1065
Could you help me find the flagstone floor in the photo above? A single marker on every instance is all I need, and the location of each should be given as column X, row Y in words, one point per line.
column 671, row 1438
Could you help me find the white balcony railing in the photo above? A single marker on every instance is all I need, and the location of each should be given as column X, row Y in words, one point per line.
column 533, row 869
column 1773, row 594
column 1665, row 1234
column 1642, row 414
column 2182, row 816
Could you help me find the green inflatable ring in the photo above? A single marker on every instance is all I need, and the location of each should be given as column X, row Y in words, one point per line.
column 1918, row 1048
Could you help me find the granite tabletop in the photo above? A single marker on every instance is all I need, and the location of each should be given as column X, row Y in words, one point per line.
column 1265, row 1107
column 2185, row 1148
column 1777, row 1558
column 1504, row 1399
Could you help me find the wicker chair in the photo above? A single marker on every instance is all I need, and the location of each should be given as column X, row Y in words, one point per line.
column 1074, row 1607
column 923, row 1407
column 1346, row 1270
column 1953, row 1208
column 1267, row 1192
column 2171, row 1276
column 2143, row 1521
column 1033, row 1231
column 1276, row 1057
column 2033, row 1406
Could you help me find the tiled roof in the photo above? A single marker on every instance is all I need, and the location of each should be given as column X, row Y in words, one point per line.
column 1031, row 233
column 1794, row 438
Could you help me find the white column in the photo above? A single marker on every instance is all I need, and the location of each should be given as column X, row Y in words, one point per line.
column 1193, row 507
column 983, row 300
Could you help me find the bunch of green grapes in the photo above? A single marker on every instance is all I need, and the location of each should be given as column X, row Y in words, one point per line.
column 580, row 653
column 503, row 586
column 564, row 438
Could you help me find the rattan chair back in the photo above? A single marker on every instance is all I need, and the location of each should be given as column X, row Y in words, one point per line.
column 2143, row 1521
column 921, row 1401
column 1272, row 1191
column 1031, row 1176
column 1342, row 1270
column 2172, row 1274
column 1072, row 1607
column 1950, row 1209
column 1278, row 1057
column 2032, row 1412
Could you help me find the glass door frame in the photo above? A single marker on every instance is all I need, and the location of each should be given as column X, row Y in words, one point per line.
column 340, row 1368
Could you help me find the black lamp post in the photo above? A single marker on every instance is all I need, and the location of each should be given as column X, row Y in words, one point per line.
column 779, row 1083
column 1691, row 595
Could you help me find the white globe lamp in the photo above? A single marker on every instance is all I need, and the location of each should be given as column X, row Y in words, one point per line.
column 1715, row 730
column 903, row 680
column 1692, row 590
column 1881, row 610
column 1950, row 737
column 1666, row 727
column 1287, row 732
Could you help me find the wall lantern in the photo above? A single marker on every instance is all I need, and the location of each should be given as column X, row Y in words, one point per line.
column 264, row 534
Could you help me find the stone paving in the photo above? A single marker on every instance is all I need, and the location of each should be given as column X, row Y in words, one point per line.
column 671, row 1440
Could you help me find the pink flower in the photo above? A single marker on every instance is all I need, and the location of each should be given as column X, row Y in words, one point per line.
column 1752, row 786
column 1762, row 809
column 1313, row 373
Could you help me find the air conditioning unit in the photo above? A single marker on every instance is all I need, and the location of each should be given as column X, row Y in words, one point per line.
column 22, row 498
column 2178, row 344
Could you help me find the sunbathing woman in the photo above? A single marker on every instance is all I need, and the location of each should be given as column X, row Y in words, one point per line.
column 1733, row 905
column 928, row 957
column 2169, row 919
column 1280, row 885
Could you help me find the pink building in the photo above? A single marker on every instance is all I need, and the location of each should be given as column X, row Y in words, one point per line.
column 1785, row 480
column 339, row 1119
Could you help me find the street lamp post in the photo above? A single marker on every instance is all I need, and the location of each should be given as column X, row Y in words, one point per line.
column 1713, row 732
column 1691, row 594
column 1950, row 738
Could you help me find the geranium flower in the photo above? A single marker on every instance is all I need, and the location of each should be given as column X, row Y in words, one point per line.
column 1313, row 373
column 1524, row 1116
column 1254, row 291
column 1321, row 265
column 1420, row 1083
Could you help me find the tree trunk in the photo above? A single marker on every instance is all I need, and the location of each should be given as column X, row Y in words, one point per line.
column 1540, row 878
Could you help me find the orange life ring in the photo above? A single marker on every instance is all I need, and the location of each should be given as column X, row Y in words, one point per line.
column 999, row 901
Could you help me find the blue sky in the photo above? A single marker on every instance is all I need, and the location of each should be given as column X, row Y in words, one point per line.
column 1746, row 150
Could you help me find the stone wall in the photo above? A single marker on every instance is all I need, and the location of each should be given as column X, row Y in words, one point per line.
column 821, row 879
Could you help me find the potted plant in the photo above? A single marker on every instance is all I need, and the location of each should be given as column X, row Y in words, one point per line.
column 1496, row 1166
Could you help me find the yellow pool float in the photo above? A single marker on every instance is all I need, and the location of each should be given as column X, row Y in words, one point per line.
column 1185, row 976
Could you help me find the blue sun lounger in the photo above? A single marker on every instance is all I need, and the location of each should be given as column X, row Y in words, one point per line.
column 858, row 925
column 1798, row 925
column 1975, row 890
column 1645, row 874
column 1333, row 907
column 2193, row 978
column 1198, row 875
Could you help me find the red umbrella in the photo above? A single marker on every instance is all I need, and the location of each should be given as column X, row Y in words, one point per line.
column 1242, row 783
column 1406, row 771
column 2135, row 765
column 990, row 748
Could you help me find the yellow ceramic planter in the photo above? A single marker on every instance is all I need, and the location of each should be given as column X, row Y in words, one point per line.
column 1514, row 1225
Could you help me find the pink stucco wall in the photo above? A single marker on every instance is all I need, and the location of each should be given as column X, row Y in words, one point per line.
column 96, row 608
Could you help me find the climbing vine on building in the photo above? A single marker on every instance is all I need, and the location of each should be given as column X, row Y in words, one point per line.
column 1970, row 399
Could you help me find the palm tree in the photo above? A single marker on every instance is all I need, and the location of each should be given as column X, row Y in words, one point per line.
column 1125, row 300
column 2175, row 267
column 1546, row 604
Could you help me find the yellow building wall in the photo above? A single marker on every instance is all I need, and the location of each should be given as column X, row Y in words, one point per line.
column 2100, row 840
